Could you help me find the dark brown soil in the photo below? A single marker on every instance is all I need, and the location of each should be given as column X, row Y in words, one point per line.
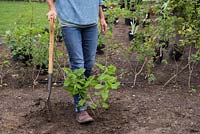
column 143, row 109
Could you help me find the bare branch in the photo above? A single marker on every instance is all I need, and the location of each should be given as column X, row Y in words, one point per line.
column 135, row 77
column 175, row 75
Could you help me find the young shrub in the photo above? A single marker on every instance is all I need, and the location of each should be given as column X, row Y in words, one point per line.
column 100, row 85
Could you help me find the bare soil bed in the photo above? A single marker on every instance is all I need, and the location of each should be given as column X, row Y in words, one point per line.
column 144, row 109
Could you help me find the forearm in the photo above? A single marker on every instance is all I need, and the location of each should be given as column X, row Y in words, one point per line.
column 52, row 10
column 101, row 14
column 51, row 5
column 102, row 20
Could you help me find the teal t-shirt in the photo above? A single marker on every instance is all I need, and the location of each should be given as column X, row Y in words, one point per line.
column 79, row 12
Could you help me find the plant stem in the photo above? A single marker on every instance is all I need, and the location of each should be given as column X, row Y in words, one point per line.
column 135, row 78
column 177, row 67
column 93, row 103
column 106, row 58
column 190, row 75
column 190, row 68
column 59, row 66
column 175, row 75
column 34, row 81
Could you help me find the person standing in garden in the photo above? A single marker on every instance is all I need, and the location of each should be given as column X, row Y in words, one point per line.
column 79, row 24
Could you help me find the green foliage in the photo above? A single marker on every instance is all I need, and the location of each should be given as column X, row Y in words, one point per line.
column 101, row 40
column 106, row 81
column 29, row 41
column 140, row 12
column 195, row 57
column 134, row 27
column 173, row 17
column 126, row 13
column 40, row 49
column 151, row 78
column 166, row 22
column 77, row 83
column 187, row 21
column 144, row 46
column 20, row 40
column 108, row 3
column 112, row 13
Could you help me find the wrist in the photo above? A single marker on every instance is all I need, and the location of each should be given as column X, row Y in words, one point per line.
column 102, row 20
column 53, row 9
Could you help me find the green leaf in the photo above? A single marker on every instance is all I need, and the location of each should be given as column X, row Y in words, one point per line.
column 102, row 77
column 93, row 106
column 81, row 102
column 90, row 81
column 66, row 83
column 115, row 86
column 105, row 105
column 100, row 66
column 78, row 86
column 104, row 94
column 99, row 86
column 97, row 93
column 74, row 91
column 79, row 72
column 111, row 69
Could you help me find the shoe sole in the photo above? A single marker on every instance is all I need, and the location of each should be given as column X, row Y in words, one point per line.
column 85, row 121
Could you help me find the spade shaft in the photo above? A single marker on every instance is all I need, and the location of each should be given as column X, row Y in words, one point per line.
column 51, row 51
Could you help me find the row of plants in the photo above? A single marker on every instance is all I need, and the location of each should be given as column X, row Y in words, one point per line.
column 29, row 45
column 166, row 26
column 158, row 28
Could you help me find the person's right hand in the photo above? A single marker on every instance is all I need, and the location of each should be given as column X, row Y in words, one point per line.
column 52, row 14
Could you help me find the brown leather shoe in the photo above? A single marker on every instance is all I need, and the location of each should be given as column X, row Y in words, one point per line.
column 83, row 117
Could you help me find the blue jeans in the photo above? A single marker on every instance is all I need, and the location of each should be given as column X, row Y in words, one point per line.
column 81, row 44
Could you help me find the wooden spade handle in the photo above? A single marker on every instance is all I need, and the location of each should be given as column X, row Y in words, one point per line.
column 51, row 46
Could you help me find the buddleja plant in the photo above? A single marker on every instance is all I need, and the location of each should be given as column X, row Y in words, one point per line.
column 76, row 83
column 100, row 85
column 105, row 82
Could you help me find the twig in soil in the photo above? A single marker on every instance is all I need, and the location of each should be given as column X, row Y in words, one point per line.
column 1, row 78
column 106, row 57
column 175, row 75
column 59, row 66
column 190, row 68
column 35, row 80
column 136, row 75
column 177, row 68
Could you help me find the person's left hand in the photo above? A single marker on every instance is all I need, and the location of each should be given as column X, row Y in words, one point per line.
column 103, row 25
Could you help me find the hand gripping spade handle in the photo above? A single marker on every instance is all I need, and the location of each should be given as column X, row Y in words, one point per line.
column 51, row 51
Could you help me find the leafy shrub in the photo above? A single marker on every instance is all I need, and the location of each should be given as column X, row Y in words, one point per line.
column 77, row 83
column 29, row 41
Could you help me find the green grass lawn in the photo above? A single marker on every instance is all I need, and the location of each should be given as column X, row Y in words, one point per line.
column 21, row 13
